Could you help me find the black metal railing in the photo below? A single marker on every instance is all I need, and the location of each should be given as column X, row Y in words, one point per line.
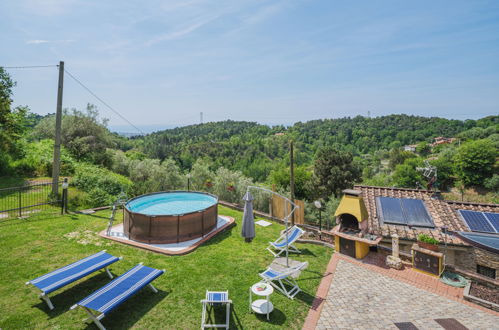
column 31, row 198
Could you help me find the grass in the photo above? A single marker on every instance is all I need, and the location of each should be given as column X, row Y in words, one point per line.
column 474, row 195
column 40, row 244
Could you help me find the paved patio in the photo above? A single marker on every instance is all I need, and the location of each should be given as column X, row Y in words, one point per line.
column 362, row 295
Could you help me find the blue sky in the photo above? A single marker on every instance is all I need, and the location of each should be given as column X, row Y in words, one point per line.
column 162, row 62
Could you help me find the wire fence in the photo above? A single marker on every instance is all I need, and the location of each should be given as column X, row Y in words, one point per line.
column 16, row 202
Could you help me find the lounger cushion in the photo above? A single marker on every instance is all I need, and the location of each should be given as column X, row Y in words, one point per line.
column 120, row 289
column 70, row 273
column 269, row 273
column 216, row 296
column 293, row 235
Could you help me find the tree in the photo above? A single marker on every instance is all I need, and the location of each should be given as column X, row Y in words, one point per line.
column 423, row 149
column 334, row 170
column 398, row 156
column 6, row 85
column 201, row 175
column 407, row 176
column 476, row 161
column 12, row 123
column 83, row 134
column 445, row 168
column 281, row 179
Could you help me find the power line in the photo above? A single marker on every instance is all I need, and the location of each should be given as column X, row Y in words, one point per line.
column 102, row 101
column 29, row 66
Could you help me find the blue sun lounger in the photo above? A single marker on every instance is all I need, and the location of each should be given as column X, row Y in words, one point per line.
column 70, row 273
column 294, row 233
column 117, row 292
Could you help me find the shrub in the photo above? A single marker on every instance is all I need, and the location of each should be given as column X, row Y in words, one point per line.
column 151, row 175
column 5, row 164
column 201, row 175
column 492, row 183
column 39, row 157
column 427, row 239
column 328, row 209
column 101, row 185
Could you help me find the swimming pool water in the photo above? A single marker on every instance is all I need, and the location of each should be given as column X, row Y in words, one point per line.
column 171, row 203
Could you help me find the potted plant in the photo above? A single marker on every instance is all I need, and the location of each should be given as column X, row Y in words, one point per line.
column 428, row 242
column 231, row 187
column 208, row 183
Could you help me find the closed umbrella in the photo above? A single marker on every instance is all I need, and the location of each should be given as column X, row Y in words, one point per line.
column 248, row 229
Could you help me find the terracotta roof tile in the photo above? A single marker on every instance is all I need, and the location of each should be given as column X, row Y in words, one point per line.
column 443, row 213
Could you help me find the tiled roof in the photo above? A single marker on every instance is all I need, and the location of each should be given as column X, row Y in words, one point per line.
column 442, row 212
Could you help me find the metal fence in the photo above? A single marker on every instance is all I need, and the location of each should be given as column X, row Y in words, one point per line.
column 29, row 199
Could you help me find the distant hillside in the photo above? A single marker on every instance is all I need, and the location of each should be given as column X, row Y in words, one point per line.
column 256, row 149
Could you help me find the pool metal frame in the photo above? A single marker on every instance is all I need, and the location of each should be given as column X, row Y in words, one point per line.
column 171, row 228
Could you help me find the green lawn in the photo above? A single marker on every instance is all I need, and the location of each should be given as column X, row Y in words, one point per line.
column 35, row 194
column 32, row 247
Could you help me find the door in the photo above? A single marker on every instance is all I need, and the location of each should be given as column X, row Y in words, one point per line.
column 347, row 247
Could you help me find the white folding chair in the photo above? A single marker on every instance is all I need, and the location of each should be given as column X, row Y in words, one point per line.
column 213, row 299
column 278, row 278
column 294, row 233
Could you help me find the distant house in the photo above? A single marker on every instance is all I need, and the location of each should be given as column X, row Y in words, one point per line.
column 442, row 140
column 468, row 232
column 410, row 147
column 279, row 134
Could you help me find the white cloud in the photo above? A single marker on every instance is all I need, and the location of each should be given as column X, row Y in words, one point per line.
column 264, row 13
column 182, row 32
column 42, row 41
column 36, row 42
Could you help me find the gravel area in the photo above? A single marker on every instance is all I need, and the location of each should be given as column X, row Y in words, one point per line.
column 485, row 292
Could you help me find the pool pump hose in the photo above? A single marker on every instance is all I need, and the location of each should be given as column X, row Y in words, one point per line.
column 453, row 279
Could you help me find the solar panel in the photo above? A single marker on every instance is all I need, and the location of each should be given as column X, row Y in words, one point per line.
column 404, row 211
column 489, row 240
column 391, row 210
column 493, row 219
column 416, row 213
column 477, row 221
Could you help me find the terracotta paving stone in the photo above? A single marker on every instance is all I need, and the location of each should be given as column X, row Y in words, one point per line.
column 360, row 296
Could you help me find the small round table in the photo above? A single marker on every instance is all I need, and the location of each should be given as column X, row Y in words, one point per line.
column 261, row 306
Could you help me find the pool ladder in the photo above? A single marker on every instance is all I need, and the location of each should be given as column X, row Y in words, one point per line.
column 122, row 198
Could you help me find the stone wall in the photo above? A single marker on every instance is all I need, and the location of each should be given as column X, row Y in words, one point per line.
column 489, row 259
column 468, row 260
column 463, row 259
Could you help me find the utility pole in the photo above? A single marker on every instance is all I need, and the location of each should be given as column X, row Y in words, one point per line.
column 201, row 117
column 291, row 179
column 57, row 143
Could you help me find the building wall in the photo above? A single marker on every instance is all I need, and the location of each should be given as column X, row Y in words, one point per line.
column 476, row 256
column 464, row 259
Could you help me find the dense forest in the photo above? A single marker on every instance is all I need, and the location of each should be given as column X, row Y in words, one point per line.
column 257, row 149
column 224, row 157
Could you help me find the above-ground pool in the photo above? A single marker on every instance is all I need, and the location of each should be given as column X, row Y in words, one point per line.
column 170, row 217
